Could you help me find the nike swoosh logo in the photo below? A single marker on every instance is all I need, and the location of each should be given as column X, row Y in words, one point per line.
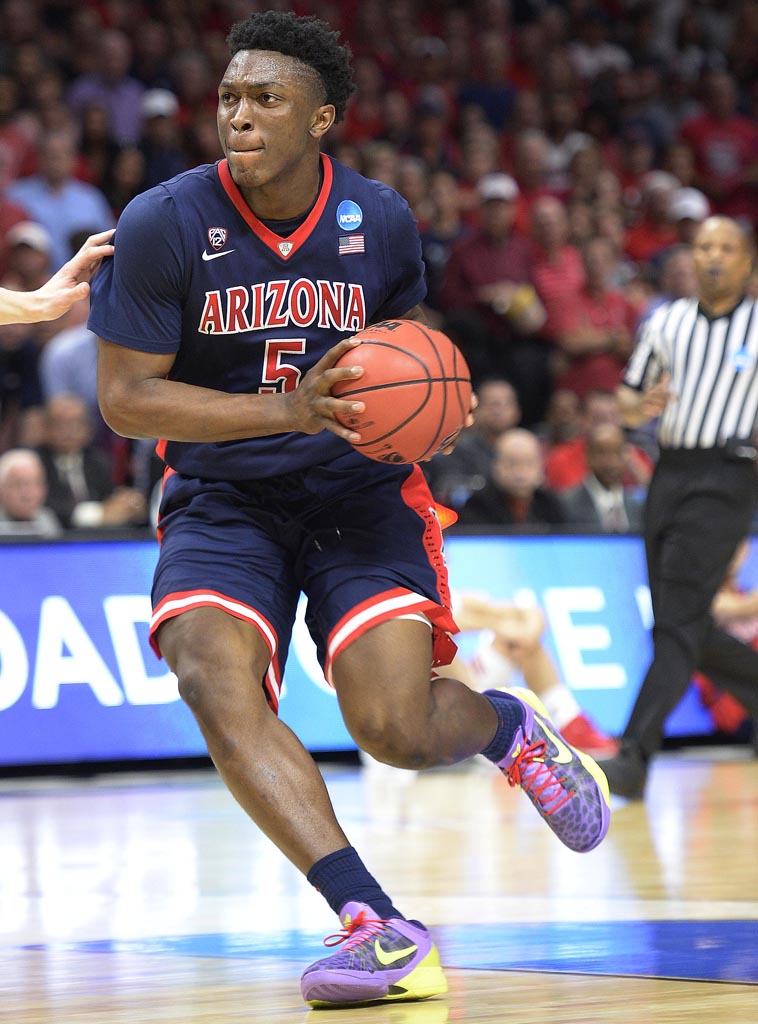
column 564, row 755
column 386, row 957
column 215, row 255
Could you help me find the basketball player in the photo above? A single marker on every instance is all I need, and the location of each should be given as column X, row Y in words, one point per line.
column 64, row 288
column 234, row 289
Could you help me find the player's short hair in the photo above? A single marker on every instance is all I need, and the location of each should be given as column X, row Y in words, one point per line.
column 307, row 39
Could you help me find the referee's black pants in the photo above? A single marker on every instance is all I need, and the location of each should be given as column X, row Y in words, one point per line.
column 700, row 505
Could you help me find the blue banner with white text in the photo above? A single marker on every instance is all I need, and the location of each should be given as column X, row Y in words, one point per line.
column 79, row 682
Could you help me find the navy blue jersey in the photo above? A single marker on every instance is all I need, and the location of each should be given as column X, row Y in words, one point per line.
column 246, row 311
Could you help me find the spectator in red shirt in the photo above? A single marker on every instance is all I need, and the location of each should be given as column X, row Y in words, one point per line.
column 364, row 117
column 654, row 230
column 491, row 309
column 566, row 463
column 725, row 145
column 530, row 169
column 10, row 216
column 595, row 331
column 557, row 268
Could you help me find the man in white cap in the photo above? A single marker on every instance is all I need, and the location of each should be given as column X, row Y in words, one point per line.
column 56, row 297
column 161, row 137
column 29, row 246
column 689, row 208
column 491, row 308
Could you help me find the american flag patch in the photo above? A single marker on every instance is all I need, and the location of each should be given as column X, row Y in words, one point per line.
column 351, row 243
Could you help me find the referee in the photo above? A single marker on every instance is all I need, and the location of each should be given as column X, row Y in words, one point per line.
column 696, row 366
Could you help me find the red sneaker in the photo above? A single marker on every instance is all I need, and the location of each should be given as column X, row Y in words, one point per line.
column 581, row 733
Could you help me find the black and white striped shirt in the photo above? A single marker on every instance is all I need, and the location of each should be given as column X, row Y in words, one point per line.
column 713, row 363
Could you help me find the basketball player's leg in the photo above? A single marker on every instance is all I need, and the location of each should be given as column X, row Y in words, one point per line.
column 394, row 709
column 396, row 713
column 513, row 641
column 220, row 661
column 388, row 958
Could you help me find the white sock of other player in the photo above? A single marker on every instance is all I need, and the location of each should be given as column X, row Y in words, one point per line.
column 491, row 670
column 561, row 705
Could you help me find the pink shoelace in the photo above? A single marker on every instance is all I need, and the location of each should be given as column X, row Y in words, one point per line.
column 542, row 779
column 353, row 933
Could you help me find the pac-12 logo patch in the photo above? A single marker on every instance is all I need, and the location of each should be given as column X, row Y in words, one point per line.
column 217, row 237
column 349, row 215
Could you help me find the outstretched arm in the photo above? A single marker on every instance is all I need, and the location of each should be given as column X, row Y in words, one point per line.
column 64, row 288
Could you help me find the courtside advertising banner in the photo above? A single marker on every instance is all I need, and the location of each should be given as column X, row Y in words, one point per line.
column 80, row 683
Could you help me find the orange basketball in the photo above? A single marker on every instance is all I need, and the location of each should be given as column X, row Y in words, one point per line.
column 416, row 387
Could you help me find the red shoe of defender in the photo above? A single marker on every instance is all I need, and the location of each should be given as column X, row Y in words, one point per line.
column 582, row 734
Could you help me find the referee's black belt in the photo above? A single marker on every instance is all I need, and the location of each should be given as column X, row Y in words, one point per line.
column 733, row 450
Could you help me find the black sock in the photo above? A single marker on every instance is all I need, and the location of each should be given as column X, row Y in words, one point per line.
column 342, row 877
column 510, row 715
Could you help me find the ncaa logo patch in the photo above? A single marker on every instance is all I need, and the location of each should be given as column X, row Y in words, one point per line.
column 217, row 237
column 742, row 360
column 349, row 215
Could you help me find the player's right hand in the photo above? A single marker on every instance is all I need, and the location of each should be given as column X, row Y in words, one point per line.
column 453, row 441
column 71, row 282
column 313, row 408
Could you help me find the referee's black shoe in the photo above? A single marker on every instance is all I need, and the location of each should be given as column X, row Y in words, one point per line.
column 626, row 772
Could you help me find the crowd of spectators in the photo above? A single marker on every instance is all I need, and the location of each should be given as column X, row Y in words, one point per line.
column 557, row 157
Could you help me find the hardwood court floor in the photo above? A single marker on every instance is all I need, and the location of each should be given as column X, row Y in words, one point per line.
column 150, row 898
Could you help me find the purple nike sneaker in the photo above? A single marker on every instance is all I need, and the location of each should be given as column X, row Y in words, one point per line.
column 567, row 786
column 381, row 961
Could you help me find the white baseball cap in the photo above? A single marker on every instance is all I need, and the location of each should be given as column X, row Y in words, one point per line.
column 497, row 186
column 660, row 181
column 29, row 232
column 689, row 204
column 159, row 103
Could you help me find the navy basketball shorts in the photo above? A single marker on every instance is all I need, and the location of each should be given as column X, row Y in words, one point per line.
column 364, row 545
